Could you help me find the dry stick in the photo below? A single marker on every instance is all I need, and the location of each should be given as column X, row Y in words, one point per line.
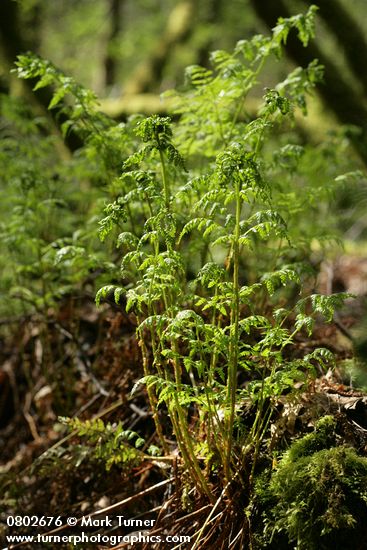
column 208, row 522
column 210, row 515
column 235, row 539
column 193, row 514
column 205, row 541
column 30, row 420
column 88, row 404
column 185, row 519
column 126, row 544
column 119, row 504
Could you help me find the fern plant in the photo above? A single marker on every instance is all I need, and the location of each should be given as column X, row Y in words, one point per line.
column 111, row 444
column 202, row 218
column 204, row 188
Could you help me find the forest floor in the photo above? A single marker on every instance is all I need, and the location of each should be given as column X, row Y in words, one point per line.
column 83, row 363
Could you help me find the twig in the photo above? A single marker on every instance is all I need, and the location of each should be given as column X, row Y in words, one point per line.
column 29, row 418
column 210, row 515
column 88, row 404
column 342, row 328
column 193, row 514
column 235, row 539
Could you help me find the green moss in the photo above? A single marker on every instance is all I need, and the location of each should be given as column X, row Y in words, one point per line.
column 317, row 498
column 322, row 438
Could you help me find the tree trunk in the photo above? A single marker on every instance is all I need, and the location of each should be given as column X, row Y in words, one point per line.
column 110, row 65
column 12, row 39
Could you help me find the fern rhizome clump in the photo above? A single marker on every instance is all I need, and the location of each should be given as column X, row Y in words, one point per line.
column 208, row 213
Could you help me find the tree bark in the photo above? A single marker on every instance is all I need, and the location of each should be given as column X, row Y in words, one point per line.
column 110, row 65
column 12, row 39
